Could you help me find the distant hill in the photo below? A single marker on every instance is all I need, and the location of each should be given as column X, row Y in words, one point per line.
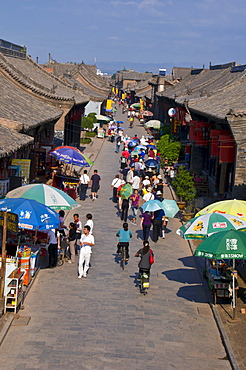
column 112, row 67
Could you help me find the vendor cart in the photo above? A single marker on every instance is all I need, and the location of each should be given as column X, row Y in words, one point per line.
column 219, row 278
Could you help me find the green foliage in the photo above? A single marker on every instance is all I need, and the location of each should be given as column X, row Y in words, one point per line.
column 183, row 185
column 168, row 148
column 88, row 121
column 90, row 134
column 85, row 140
column 166, row 129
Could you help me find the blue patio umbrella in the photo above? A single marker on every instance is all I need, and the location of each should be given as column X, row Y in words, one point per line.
column 71, row 155
column 151, row 163
column 119, row 121
column 121, row 128
column 170, row 207
column 133, row 143
column 141, row 147
column 32, row 215
column 152, row 205
column 151, row 146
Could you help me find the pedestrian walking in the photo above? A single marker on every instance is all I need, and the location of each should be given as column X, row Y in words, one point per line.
column 114, row 186
column 130, row 175
column 89, row 222
column 135, row 205
column 83, row 185
column 86, row 242
column 135, row 181
column 117, row 144
column 125, row 208
column 148, row 196
column 145, row 224
column 124, row 238
column 78, row 225
column 95, row 180
column 52, row 248
column 72, row 241
column 157, row 220
column 164, row 227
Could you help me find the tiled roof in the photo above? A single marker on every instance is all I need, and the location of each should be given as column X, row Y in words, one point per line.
column 11, row 140
column 18, row 105
column 82, row 77
column 94, row 95
column 230, row 99
column 206, row 83
column 34, row 77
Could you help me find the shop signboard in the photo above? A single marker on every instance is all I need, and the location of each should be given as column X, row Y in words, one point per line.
column 24, row 167
column 12, row 221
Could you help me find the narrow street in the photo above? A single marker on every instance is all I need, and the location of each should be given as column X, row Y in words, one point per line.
column 102, row 322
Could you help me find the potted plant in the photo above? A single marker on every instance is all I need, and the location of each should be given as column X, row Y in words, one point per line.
column 184, row 187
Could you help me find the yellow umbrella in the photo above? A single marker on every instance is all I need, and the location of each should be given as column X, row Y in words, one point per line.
column 233, row 207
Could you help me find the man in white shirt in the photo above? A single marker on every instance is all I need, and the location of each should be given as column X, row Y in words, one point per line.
column 129, row 176
column 146, row 181
column 83, row 185
column 89, row 222
column 86, row 242
column 52, row 248
column 135, row 181
column 114, row 186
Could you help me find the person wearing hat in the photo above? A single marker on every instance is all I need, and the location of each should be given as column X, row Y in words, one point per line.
column 158, row 196
column 148, row 196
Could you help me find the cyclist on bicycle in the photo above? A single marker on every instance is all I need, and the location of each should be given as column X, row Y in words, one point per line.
column 124, row 237
column 131, row 120
column 144, row 264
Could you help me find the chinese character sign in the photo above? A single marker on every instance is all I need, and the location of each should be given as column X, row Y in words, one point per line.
column 231, row 244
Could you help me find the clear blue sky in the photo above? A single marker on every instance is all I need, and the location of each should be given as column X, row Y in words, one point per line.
column 142, row 31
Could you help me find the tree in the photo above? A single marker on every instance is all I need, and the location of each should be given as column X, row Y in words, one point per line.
column 184, row 187
column 168, row 148
column 87, row 122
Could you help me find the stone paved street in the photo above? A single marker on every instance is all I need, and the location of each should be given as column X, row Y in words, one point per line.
column 102, row 322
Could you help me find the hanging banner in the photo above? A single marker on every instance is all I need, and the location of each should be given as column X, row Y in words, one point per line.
column 123, row 96
column 109, row 104
column 141, row 104
column 112, row 89
column 116, row 91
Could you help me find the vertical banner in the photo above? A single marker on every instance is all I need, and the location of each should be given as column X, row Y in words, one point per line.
column 141, row 104
column 109, row 104
column 116, row 91
column 123, row 96
column 112, row 89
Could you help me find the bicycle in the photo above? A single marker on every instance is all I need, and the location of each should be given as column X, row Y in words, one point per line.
column 63, row 255
column 144, row 281
column 122, row 255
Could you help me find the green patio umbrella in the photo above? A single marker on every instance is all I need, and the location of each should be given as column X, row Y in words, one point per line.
column 225, row 245
column 126, row 191
column 207, row 224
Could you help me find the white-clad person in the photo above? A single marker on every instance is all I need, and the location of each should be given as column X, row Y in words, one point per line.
column 86, row 242
column 148, row 196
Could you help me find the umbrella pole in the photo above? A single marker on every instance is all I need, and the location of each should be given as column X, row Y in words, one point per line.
column 233, row 292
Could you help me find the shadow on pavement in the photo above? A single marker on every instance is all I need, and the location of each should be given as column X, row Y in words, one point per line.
column 185, row 276
column 188, row 261
column 135, row 277
column 193, row 293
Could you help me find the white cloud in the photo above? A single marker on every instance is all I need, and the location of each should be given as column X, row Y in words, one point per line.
column 113, row 38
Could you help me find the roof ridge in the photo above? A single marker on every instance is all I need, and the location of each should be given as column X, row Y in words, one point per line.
column 12, row 71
